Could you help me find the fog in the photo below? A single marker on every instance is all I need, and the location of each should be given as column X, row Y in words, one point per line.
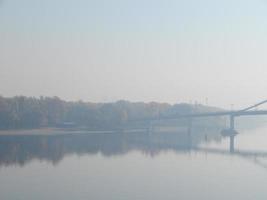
column 212, row 52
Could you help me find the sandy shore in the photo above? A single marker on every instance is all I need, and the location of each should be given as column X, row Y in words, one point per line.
column 57, row 131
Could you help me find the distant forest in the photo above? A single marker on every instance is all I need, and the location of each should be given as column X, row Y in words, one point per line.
column 22, row 112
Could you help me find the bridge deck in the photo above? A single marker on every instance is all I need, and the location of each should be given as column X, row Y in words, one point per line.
column 223, row 113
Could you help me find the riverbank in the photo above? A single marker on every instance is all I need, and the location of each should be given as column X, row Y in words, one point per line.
column 60, row 131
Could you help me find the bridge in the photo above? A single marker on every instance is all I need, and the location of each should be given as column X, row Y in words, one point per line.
column 230, row 132
column 232, row 115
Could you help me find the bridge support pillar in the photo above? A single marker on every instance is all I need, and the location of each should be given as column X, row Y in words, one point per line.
column 232, row 122
column 232, row 144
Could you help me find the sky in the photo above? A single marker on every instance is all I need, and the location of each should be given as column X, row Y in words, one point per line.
column 210, row 51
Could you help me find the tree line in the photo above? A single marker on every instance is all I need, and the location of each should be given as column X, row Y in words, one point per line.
column 31, row 112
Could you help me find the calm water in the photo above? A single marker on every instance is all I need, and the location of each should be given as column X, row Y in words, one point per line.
column 168, row 165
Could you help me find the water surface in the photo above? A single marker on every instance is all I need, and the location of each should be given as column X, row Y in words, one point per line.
column 159, row 165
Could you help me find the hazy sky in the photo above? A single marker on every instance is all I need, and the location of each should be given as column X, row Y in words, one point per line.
column 138, row 50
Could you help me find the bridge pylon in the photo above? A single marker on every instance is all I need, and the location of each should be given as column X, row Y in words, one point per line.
column 232, row 144
column 232, row 122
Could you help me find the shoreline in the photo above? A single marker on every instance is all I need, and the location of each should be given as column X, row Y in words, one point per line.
column 59, row 131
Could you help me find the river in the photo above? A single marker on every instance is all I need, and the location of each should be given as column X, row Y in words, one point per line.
column 134, row 166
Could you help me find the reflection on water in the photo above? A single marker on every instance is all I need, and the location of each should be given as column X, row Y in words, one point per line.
column 144, row 165
column 22, row 149
column 19, row 150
